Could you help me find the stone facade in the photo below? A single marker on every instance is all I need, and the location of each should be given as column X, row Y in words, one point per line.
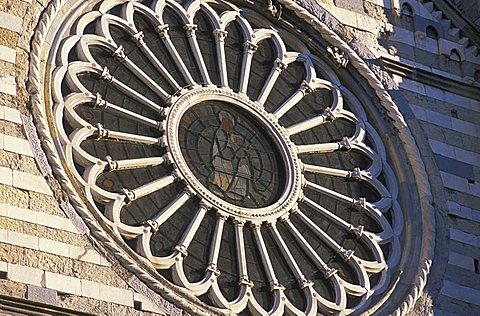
column 429, row 48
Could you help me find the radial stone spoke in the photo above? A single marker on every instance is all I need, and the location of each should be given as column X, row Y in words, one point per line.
column 191, row 230
column 311, row 123
column 192, row 39
column 344, row 144
column 133, row 163
column 139, row 73
column 288, row 256
column 156, row 221
column 149, row 188
column 330, row 193
column 346, row 254
column 220, row 36
column 129, row 91
column 248, row 52
column 162, row 30
column 241, row 256
column 328, row 272
column 267, row 263
column 215, row 245
column 272, row 78
column 293, row 100
column 156, row 63
column 103, row 133
column 327, row 171
column 110, row 107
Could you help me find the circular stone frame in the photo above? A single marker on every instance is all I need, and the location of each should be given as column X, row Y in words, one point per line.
column 293, row 185
column 45, row 40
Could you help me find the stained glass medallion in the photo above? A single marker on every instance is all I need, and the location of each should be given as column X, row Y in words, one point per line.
column 231, row 154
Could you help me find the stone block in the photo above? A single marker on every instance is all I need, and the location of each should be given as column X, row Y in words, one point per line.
column 366, row 23
column 63, row 283
column 461, row 293
column 6, row 176
column 12, row 115
column 41, row 294
column 3, row 236
column 3, row 267
column 467, row 156
column 454, row 182
column 37, row 217
column 474, row 188
column 3, row 209
column 463, row 237
column 344, row 16
column 461, row 101
column 461, row 261
column 21, row 214
column 23, row 274
column 428, row 44
column 454, row 167
column 412, row 85
column 116, row 295
column 87, row 255
column 147, row 304
column 7, row 54
column 447, row 75
column 56, row 222
column 402, row 35
column 10, row 22
column 440, row 312
column 53, row 247
column 470, row 143
column 90, row 289
column 22, row 240
column 351, row 5
column 476, row 215
column 104, row 261
column 456, row 209
column 419, row 112
column 406, row 51
column 439, row 119
column 446, row 46
column 442, row 148
column 427, row 58
column 17, row 145
column 466, row 127
column 8, row 84
column 30, row 182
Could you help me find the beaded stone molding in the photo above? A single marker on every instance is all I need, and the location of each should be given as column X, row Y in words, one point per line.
column 152, row 115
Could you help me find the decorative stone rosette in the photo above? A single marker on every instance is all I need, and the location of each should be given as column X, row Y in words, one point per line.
column 228, row 155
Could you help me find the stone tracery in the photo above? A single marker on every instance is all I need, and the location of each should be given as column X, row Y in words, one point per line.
column 362, row 271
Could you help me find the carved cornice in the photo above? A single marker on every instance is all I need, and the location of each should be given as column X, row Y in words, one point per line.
column 458, row 20
column 430, row 78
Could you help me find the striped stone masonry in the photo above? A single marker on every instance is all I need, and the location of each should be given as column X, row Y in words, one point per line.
column 30, row 183
column 69, row 285
column 24, row 181
column 455, row 145
column 37, row 217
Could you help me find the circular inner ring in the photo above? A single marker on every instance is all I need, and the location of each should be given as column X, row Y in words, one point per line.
column 232, row 154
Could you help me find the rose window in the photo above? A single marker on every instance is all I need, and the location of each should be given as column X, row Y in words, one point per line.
column 227, row 154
